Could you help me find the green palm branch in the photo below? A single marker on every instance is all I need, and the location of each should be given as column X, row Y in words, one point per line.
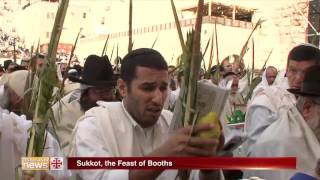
column 191, row 59
column 47, row 81
column 130, row 44
column 105, row 47
column 154, row 42
column 245, row 47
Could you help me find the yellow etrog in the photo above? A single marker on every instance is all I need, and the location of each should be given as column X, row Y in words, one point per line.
column 210, row 118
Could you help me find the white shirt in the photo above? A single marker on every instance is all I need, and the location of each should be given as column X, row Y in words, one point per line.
column 109, row 131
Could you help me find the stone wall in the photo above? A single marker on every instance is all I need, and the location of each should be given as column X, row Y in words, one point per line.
column 285, row 27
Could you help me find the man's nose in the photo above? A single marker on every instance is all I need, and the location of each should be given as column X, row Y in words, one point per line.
column 158, row 97
column 299, row 77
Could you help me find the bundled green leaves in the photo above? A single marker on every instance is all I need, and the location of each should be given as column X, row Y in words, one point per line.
column 44, row 97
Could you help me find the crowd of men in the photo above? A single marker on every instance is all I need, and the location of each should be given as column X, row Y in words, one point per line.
column 110, row 111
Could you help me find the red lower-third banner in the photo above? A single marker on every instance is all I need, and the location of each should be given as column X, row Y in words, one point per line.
column 181, row 163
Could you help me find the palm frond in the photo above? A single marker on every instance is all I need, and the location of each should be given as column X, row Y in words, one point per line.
column 192, row 61
column 154, row 42
column 47, row 81
column 216, row 37
column 245, row 47
column 105, row 47
column 206, row 48
column 26, row 108
column 195, row 64
column 210, row 58
column 111, row 55
column 252, row 65
column 203, row 54
column 14, row 50
column 69, row 62
column 178, row 26
column 266, row 61
column 216, row 75
column 130, row 44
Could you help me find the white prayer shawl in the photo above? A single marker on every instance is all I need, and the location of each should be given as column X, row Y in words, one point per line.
column 13, row 143
column 108, row 130
column 290, row 136
column 244, row 86
column 67, row 112
column 281, row 79
column 272, row 98
column 225, row 83
column 262, row 85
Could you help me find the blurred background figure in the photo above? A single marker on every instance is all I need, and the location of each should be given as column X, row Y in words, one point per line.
column 1, row 71
column 96, row 83
column 271, row 74
column 6, row 63
column 268, row 77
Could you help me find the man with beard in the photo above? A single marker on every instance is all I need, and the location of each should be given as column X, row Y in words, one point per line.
column 296, row 133
column 96, row 84
column 138, row 126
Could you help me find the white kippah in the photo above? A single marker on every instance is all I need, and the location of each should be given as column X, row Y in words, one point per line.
column 17, row 81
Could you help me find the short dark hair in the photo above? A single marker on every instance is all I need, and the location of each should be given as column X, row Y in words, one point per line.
column 143, row 57
column 305, row 52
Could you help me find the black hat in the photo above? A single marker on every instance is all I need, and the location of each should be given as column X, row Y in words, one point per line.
column 6, row 63
column 311, row 83
column 97, row 71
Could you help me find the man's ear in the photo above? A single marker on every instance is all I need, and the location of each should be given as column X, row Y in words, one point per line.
column 123, row 88
column 307, row 109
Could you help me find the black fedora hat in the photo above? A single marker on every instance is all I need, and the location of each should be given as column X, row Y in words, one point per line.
column 97, row 71
column 311, row 83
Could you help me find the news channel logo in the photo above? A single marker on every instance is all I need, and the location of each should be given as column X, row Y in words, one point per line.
column 42, row 163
